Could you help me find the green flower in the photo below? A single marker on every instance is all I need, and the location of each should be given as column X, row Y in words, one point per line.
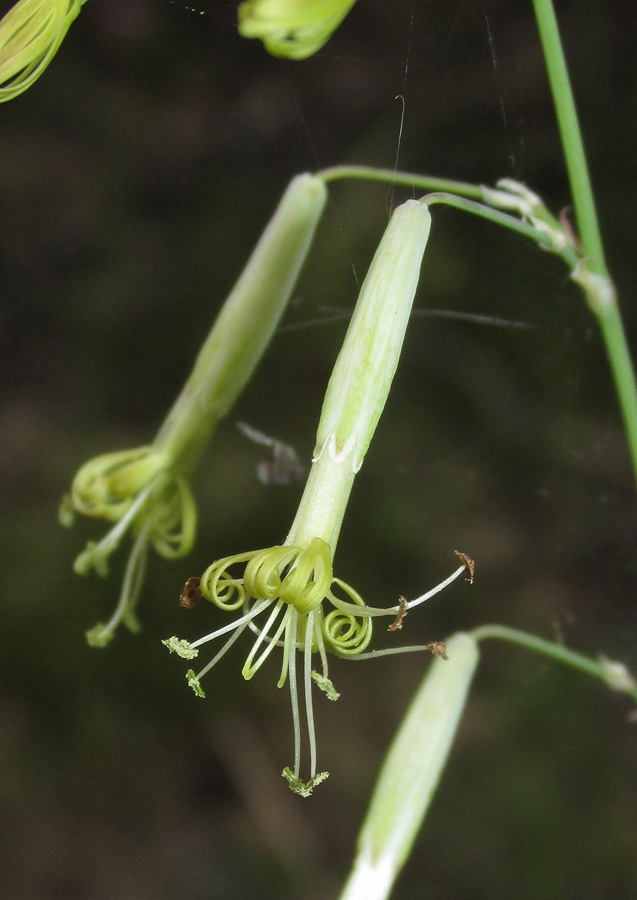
column 288, row 595
column 292, row 28
column 138, row 490
column 30, row 34
column 145, row 491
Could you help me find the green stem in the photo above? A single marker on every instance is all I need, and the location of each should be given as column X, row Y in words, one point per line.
column 570, row 133
column 608, row 312
column 623, row 373
column 613, row 674
column 459, row 194
column 407, row 179
column 601, row 297
column 594, row 281
column 498, row 217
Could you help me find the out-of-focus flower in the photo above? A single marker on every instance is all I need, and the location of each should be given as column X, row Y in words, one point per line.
column 30, row 34
column 292, row 28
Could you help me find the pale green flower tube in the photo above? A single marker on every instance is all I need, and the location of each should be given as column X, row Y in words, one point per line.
column 145, row 490
column 411, row 771
column 246, row 323
column 292, row 28
column 30, row 35
column 366, row 365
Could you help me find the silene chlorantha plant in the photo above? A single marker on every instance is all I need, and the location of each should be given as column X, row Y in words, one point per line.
column 294, row 29
column 30, row 35
column 288, row 595
column 145, row 491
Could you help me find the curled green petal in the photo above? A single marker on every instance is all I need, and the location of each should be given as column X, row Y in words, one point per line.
column 172, row 519
column 300, row 576
column 133, row 489
column 295, row 29
column 346, row 633
column 30, row 35
column 220, row 587
column 106, row 486
column 181, row 647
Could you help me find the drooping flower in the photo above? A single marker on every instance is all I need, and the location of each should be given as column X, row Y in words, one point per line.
column 30, row 35
column 292, row 28
column 288, row 595
column 145, row 491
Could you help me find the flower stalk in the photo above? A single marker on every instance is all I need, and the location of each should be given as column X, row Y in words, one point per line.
column 146, row 490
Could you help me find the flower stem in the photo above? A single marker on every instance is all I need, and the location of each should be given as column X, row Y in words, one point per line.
column 613, row 674
column 608, row 313
column 497, row 217
column 571, row 135
column 407, row 179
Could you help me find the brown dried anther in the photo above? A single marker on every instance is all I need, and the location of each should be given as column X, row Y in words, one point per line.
column 468, row 563
column 191, row 594
column 397, row 624
column 438, row 648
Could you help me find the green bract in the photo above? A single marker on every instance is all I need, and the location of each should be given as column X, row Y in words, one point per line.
column 292, row 28
column 30, row 34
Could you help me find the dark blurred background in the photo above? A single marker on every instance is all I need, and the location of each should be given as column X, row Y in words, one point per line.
column 135, row 177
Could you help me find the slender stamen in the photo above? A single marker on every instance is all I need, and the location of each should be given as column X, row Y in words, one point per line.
column 249, row 669
column 238, row 622
column 436, row 589
column 294, row 696
column 287, row 641
column 309, row 712
column 96, row 554
column 133, row 580
column 371, row 611
column 318, row 634
column 391, row 651
column 228, row 644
